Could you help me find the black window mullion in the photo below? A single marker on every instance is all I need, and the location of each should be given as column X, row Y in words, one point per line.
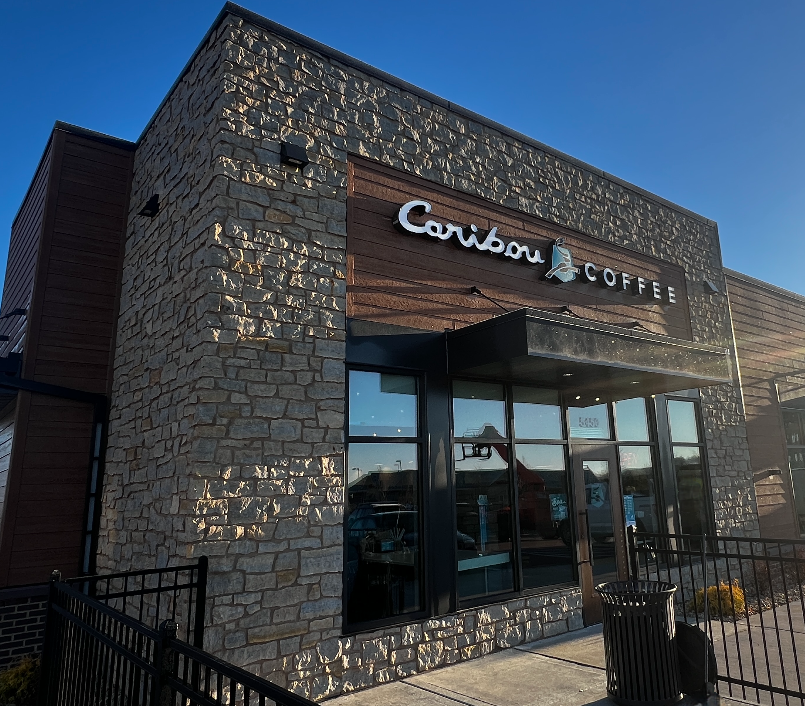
column 514, row 492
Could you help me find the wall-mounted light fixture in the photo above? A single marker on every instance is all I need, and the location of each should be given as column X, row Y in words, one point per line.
column 710, row 288
column 474, row 291
column 151, row 207
column 14, row 312
column 293, row 155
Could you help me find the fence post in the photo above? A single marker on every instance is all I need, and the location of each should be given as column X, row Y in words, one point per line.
column 165, row 663
column 48, row 668
column 201, row 603
column 631, row 547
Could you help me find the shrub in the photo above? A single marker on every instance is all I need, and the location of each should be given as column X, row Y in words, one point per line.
column 725, row 600
column 18, row 684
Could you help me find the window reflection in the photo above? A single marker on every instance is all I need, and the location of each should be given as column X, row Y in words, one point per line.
column 383, row 531
column 793, row 427
column 478, row 410
column 546, row 539
column 598, row 496
column 483, row 519
column 639, row 488
column 690, row 488
column 682, row 418
column 537, row 414
column 382, row 404
column 589, row 422
column 796, row 459
column 631, row 421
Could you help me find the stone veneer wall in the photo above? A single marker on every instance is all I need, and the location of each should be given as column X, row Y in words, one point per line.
column 227, row 425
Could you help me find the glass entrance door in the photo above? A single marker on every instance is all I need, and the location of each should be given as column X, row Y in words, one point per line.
column 600, row 522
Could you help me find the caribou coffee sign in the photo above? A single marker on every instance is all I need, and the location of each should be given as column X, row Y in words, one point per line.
column 561, row 269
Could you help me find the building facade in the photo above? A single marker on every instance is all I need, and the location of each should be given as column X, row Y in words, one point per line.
column 403, row 375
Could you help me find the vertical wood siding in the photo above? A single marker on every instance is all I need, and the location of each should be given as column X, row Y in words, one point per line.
column 23, row 250
column 769, row 327
column 69, row 342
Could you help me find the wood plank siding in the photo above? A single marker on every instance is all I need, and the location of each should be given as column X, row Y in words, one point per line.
column 769, row 328
column 423, row 283
column 73, row 287
column 6, row 434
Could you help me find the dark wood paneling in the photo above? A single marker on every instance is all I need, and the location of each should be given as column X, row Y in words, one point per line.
column 769, row 330
column 423, row 283
column 23, row 250
column 6, row 435
column 73, row 306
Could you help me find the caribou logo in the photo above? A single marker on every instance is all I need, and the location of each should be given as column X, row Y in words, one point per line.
column 562, row 263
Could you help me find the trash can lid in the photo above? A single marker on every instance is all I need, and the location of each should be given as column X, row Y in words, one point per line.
column 635, row 588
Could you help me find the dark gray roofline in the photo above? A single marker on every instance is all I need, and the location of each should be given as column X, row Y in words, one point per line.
column 231, row 8
column 799, row 298
column 97, row 136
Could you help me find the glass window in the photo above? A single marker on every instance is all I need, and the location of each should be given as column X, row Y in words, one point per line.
column 546, row 539
column 691, row 489
column 631, row 421
column 682, row 417
column 598, row 498
column 793, row 427
column 537, row 414
column 383, row 531
column 483, row 519
column 382, row 404
column 639, row 488
column 589, row 422
column 479, row 409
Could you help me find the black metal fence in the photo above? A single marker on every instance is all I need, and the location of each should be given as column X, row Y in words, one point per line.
column 755, row 594
column 97, row 655
column 177, row 594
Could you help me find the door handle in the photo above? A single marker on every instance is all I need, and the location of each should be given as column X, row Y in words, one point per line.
column 583, row 513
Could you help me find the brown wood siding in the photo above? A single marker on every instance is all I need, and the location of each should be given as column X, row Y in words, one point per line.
column 419, row 282
column 70, row 343
column 769, row 330
column 6, row 435
column 23, row 249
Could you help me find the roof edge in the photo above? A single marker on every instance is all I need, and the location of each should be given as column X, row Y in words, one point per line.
column 231, row 8
column 97, row 136
column 747, row 279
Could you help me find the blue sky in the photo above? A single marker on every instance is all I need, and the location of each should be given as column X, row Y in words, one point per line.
column 700, row 102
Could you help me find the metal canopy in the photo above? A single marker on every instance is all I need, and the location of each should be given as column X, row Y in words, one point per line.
column 582, row 357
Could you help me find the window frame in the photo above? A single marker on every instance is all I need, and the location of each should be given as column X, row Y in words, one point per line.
column 355, row 627
column 794, row 447
column 701, row 444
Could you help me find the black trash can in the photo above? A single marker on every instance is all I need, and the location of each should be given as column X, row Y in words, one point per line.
column 642, row 664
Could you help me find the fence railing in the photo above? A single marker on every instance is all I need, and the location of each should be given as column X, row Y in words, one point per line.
column 151, row 596
column 755, row 593
column 96, row 655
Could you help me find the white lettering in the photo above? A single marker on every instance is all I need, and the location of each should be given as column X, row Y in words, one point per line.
column 449, row 231
column 470, row 240
column 515, row 251
column 471, row 237
column 434, row 228
column 402, row 222
column 493, row 243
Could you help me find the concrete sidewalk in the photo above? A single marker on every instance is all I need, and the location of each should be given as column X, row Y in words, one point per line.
column 563, row 671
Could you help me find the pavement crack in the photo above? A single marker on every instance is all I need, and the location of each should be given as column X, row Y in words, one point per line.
column 568, row 661
column 451, row 698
